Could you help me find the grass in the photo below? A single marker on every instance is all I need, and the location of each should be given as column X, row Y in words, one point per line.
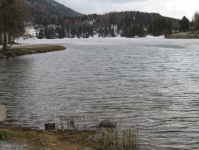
column 71, row 139
column 25, row 51
column 111, row 140
column 2, row 55
column 68, row 136
column 46, row 139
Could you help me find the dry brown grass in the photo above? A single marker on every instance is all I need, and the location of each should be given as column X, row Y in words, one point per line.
column 111, row 140
column 55, row 140
column 183, row 36
column 71, row 139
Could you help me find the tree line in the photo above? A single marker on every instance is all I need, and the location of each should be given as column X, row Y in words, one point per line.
column 127, row 24
column 159, row 26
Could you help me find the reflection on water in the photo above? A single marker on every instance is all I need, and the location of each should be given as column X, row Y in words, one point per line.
column 153, row 88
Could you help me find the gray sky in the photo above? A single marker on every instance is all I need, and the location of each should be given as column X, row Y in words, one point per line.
column 169, row 8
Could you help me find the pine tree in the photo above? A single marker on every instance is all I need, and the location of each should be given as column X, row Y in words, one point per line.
column 140, row 28
column 12, row 15
column 135, row 31
column 112, row 33
column 46, row 33
column 169, row 26
column 105, row 32
column 184, row 23
column 166, row 34
column 40, row 34
column 155, row 27
column 150, row 28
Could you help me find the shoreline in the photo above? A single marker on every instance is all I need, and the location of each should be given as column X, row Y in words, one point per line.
column 18, row 50
column 73, row 139
column 31, row 139
column 183, row 36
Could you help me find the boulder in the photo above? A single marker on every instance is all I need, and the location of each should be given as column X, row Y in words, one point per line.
column 2, row 113
column 33, row 52
column 9, row 53
column 107, row 124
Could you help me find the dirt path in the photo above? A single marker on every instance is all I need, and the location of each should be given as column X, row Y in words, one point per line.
column 29, row 45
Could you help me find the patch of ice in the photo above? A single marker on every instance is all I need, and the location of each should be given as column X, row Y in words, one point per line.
column 12, row 146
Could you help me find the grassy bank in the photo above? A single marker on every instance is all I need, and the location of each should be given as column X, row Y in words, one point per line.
column 34, row 50
column 69, row 139
column 183, row 36
column 56, row 140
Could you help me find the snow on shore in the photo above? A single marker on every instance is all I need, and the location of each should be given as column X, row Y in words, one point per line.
column 190, row 44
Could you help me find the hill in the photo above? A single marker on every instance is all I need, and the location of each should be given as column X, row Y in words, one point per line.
column 52, row 6
column 45, row 11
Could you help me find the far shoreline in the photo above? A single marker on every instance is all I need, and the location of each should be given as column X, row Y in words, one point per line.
column 184, row 35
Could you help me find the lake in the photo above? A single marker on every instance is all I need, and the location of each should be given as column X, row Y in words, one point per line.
column 149, row 83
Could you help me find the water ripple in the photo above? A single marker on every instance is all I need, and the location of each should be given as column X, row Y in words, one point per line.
column 152, row 88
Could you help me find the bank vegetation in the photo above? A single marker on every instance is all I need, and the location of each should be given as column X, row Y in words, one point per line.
column 61, row 139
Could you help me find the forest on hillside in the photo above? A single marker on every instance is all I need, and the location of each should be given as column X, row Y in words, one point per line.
column 59, row 21
column 126, row 24
column 48, row 7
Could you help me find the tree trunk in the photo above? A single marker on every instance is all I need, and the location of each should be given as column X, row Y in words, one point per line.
column 4, row 42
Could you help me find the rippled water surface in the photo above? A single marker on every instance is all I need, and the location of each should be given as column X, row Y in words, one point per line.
column 148, row 83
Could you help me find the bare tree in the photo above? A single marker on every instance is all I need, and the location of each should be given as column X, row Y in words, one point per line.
column 196, row 21
column 176, row 26
column 12, row 15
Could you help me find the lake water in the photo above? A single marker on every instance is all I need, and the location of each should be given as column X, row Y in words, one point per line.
column 149, row 83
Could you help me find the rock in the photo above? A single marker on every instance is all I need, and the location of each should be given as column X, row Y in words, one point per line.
column 107, row 124
column 33, row 52
column 8, row 53
column 2, row 113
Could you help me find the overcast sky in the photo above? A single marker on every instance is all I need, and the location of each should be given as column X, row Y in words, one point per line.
column 169, row 8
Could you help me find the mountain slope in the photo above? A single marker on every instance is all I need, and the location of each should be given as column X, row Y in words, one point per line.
column 52, row 7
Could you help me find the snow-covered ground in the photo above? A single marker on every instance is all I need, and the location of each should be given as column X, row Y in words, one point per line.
column 190, row 44
column 31, row 31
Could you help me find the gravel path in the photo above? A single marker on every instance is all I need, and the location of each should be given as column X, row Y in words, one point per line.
column 29, row 45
